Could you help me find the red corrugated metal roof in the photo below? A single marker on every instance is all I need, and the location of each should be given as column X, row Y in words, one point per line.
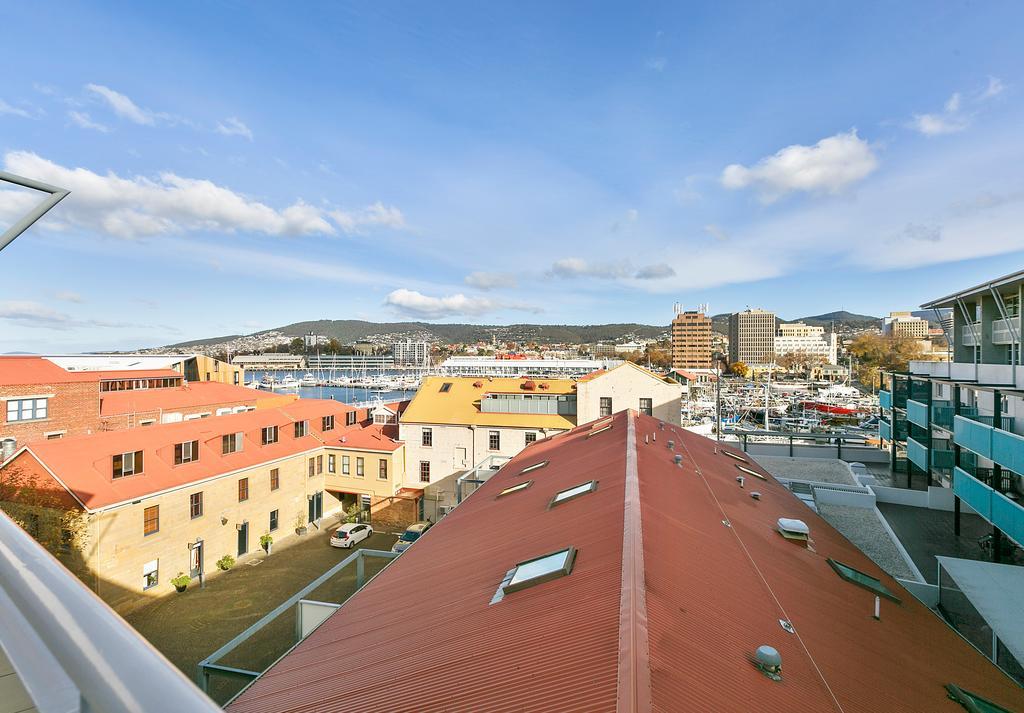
column 26, row 370
column 84, row 463
column 680, row 575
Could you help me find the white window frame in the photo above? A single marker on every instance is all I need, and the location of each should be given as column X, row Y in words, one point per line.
column 151, row 567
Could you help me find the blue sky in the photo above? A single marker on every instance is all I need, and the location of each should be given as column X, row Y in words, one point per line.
column 239, row 166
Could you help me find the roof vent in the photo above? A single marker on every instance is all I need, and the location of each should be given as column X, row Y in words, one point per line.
column 678, row 459
column 768, row 660
column 661, row 425
column 671, row 445
column 528, row 385
column 7, row 448
column 794, row 529
column 755, row 495
column 545, row 386
column 741, row 480
column 478, row 384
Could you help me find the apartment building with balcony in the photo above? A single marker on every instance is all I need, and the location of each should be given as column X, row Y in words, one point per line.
column 128, row 510
column 960, row 424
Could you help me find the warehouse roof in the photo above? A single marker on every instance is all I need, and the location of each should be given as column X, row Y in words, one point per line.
column 455, row 400
column 614, row 578
column 191, row 395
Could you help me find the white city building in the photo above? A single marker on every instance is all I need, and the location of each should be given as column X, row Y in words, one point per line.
column 410, row 353
column 800, row 338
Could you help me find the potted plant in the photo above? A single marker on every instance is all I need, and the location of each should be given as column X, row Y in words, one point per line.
column 181, row 581
column 300, row 524
column 226, row 562
column 266, row 542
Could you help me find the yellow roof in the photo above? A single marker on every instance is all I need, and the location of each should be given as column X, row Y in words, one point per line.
column 460, row 404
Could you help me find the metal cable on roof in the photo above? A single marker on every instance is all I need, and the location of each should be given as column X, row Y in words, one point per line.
column 753, row 564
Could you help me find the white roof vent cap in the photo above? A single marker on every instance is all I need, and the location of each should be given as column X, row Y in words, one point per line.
column 768, row 660
column 796, row 527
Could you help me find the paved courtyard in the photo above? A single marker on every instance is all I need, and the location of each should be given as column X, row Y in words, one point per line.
column 188, row 627
column 926, row 533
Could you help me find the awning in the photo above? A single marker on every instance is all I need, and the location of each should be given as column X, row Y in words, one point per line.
column 996, row 591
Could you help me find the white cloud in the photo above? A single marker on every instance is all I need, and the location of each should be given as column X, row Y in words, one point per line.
column 939, row 124
column 657, row 64
column 491, row 280
column 139, row 206
column 122, row 105
column 417, row 305
column 34, row 314
column 829, row 166
column 375, row 215
column 83, row 120
column 994, row 88
column 69, row 296
column 953, row 103
column 716, row 232
column 234, row 127
column 6, row 108
column 573, row 267
column 660, row 271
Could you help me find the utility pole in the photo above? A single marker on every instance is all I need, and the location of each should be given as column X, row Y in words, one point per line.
column 718, row 397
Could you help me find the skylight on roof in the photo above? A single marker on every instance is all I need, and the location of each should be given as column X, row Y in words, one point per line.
column 516, row 488
column 733, row 455
column 599, row 430
column 750, row 472
column 866, row 581
column 535, row 466
column 972, row 701
column 574, row 492
column 446, row 387
column 541, row 569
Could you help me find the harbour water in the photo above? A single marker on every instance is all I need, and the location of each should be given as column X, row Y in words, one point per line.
column 344, row 394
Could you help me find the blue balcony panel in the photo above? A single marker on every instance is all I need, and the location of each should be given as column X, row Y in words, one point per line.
column 1008, row 516
column 1008, row 450
column 917, row 454
column 885, row 430
column 917, row 413
column 885, row 399
column 973, row 435
column 973, row 492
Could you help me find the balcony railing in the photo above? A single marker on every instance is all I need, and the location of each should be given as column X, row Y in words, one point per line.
column 885, row 430
column 1005, row 422
column 1001, row 332
column 917, row 454
column 917, row 413
column 972, row 434
column 885, row 399
column 967, row 337
column 69, row 649
column 1003, row 512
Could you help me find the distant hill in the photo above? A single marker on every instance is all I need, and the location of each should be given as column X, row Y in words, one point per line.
column 350, row 330
column 841, row 318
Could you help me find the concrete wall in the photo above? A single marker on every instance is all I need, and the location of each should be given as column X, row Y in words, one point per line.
column 863, row 454
column 626, row 385
column 458, row 448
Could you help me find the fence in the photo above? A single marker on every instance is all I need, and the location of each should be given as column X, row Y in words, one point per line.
column 224, row 673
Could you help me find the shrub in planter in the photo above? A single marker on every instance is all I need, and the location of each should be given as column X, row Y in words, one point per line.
column 300, row 525
column 265, row 542
column 181, row 581
column 226, row 562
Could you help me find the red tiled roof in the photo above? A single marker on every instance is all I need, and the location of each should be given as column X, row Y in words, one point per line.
column 680, row 575
column 371, row 437
column 84, row 463
column 200, row 393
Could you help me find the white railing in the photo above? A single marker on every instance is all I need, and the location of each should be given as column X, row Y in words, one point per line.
column 478, row 476
column 1002, row 332
column 70, row 650
column 967, row 333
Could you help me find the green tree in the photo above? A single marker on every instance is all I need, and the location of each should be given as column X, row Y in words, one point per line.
column 297, row 346
column 876, row 353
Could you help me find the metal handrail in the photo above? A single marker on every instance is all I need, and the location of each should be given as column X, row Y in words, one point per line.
column 20, row 226
column 114, row 669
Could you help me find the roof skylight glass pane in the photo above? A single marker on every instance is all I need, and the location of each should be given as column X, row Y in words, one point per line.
column 516, row 488
column 597, row 431
column 574, row 492
column 866, row 581
column 733, row 455
column 541, row 569
column 751, row 472
column 535, row 466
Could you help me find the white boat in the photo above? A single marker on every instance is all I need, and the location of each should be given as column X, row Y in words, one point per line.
column 308, row 379
column 288, row 382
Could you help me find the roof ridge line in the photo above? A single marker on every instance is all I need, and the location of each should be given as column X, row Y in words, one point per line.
column 634, row 668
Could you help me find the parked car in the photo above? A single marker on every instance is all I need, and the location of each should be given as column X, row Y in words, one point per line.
column 411, row 534
column 350, row 534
